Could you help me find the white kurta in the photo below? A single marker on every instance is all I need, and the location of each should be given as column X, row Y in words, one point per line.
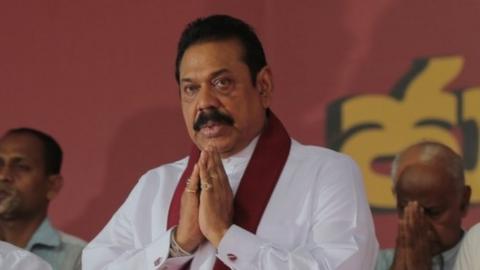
column 468, row 257
column 14, row 258
column 317, row 218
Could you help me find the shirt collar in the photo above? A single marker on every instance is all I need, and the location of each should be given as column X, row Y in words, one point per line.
column 241, row 157
column 45, row 235
column 449, row 254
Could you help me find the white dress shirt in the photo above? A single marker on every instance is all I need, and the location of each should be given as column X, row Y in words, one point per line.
column 468, row 257
column 443, row 261
column 317, row 218
column 14, row 258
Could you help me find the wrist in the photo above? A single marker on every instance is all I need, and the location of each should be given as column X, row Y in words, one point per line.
column 217, row 237
column 175, row 249
column 188, row 244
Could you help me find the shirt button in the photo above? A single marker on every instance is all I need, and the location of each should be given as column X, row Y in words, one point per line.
column 231, row 256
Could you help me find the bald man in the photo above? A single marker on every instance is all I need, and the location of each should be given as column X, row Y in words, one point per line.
column 432, row 198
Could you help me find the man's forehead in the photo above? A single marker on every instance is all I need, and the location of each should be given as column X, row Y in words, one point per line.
column 21, row 146
column 209, row 57
column 424, row 179
column 410, row 157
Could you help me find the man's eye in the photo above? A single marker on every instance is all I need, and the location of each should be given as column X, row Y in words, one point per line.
column 190, row 89
column 222, row 83
column 22, row 167
column 432, row 212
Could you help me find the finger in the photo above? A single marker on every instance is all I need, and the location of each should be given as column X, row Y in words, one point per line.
column 202, row 166
column 410, row 225
column 417, row 212
column 413, row 215
column 409, row 215
column 215, row 167
column 205, row 184
column 201, row 160
column 193, row 184
column 219, row 176
column 210, row 162
column 419, row 224
column 406, row 228
column 401, row 238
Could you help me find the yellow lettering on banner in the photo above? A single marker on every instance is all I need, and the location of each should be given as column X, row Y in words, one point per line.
column 372, row 128
column 471, row 117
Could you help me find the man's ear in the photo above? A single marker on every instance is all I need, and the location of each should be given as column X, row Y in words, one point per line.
column 55, row 184
column 467, row 192
column 264, row 85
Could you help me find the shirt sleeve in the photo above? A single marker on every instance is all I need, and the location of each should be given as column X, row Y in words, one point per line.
column 341, row 236
column 114, row 248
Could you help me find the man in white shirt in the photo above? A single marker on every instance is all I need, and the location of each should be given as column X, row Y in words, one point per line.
column 14, row 258
column 248, row 196
column 469, row 255
column 432, row 199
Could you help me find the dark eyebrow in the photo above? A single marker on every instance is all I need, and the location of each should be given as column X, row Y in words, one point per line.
column 186, row 80
column 14, row 160
column 213, row 75
column 219, row 72
column 18, row 159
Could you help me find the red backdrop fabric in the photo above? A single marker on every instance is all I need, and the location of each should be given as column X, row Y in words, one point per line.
column 99, row 76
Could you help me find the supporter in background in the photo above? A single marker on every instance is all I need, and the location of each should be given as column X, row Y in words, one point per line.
column 30, row 163
column 432, row 198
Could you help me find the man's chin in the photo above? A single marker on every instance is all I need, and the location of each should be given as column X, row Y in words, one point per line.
column 437, row 250
column 219, row 142
column 8, row 207
column 222, row 144
column 5, row 206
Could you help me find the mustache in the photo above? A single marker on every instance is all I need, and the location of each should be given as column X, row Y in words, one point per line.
column 6, row 187
column 212, row 115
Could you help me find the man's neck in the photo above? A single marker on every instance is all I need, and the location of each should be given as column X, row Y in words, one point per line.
column 19, row 231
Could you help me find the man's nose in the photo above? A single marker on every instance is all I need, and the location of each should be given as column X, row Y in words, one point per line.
column 5, row 174
column 207, row 98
